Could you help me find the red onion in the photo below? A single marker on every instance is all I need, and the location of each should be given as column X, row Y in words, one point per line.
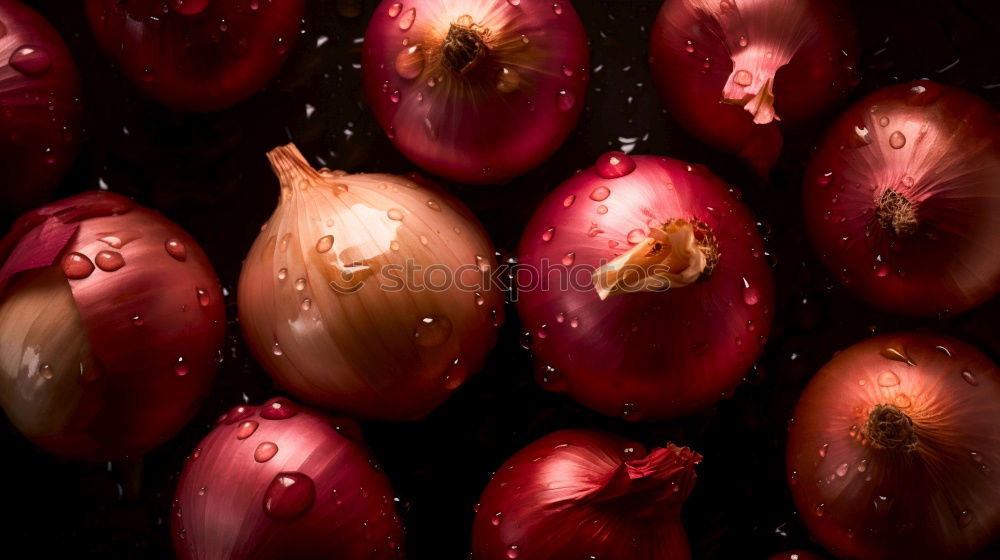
column 111, row 319
column 728, row 69
column 477, row 91
column 577, row 494
column 368, row 294
column 39, row 108
column 892, row 449
column 621, row 342
column 901, row 199
column 197, row 55
column 282, row 482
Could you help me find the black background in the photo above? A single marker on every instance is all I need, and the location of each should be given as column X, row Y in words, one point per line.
column 208, row 173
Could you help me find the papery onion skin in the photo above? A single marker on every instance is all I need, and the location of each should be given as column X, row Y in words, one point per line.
column 283, row 481
column 39, row 108
column 504, row 112
column 644, row 355
column 708, row 57
column 197, row 55
column 109, row 340
column 902, row 196
column 378, row 346
column 926, row 491
column 586, row 494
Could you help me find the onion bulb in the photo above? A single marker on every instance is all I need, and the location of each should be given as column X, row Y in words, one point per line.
column 368, row 294
column 39, row 108
column 894, row 447
column 643, row 288
column 280, row 482
column 902, row 199
column 577, row 494
column 478, row 91
column 111, row 321
column 729, row 70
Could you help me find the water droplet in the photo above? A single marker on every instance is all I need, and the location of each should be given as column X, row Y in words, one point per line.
column 180, row 367
column 636, row 236
column 394, row 9
column 282, row 273
column 278, row 409
column 300, row 284
column 823, row 449
column 507, row 79
column 565, row 100
column 743, row 41
column 970, row 378
column 265, row 450
column 689, row 46
column 964, row 518
column 203, row 297
column 574, row 323
column 324, row 244
column 897, row 140
column 902, row 400
column 45, row 371
column 548, row 233
column 496, row 519
column 884, row 121
column 432, row 330
column 630, row 411
column 600, row 193
column 433, row 205
column 238, row 413
column 76, row 266
column 479, row 299
column 888, row 379
column 742, row 78
column 306, row 304
column 897, row 355
column 863, row 465
column 395, row 214
column 613, row 165
column 246, row 429
column 842, row 470
column 406, row 21
column 290, row 494
column 569, row 200
column 820, row 510
column 944, row 349
column 410, row 62
column 750, row 294
column 276, row 349
column 569, row 258
column 512, row 551
column 30, row 61
column 109, row 261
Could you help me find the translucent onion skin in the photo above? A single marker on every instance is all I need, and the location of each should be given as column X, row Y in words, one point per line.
column 586, row 494
column 902, row 199
column 476, row 116
column 281, row 481
column 39, row 108
column 377, row 346
column 893, row 449
column 643, row 355
column 111, row 321
column 197, row 55
column 728, row 70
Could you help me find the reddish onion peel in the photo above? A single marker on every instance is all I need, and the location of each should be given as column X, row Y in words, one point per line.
column 902, row 199
column 280, row 481
column 680, row 302
column 112, row 318
column 727, row 70
column 893, row 447
column 477, row 91
column 39, row 107
column 584, row 494
column 197, row 55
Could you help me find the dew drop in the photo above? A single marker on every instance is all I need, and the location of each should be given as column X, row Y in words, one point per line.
column 507, row 79
column 823, row 449
column 842, row 470
column 77, row 266
column 246, row 429
column 238, row 413
column 863, row 466
column 742, row 78
column 689, row 46
column 636, row 236
column 970, row 378
column 306, row 304
column 964, row 518
column 300, row 284
column 884, row 121
column 569, row 200
column 567, row 71
column 410, row 62
column 265, row 450
column 278, row 409
column 395, row 214
column 600, row 193
column 395, row 9
column 45, row 371
column 613, row 165
column 203, row 298
column 432, row 330
column 479, row 299
column 276, row 349
column 565, row 100
column 750, row 294
column 180, row 367
column 888, row 379
column 512, row 551
column 176, row 249
column 433, row 205
column 548, row 233
column 30, row 61
column 496, row 519
column 569, row 258
column 282, row 273
column 743, row 41
column 324, row 244
column 896, row 355
column 944, row 349
column 406, row 21
column 109, row 261
column 290, row 494
column 897, row 140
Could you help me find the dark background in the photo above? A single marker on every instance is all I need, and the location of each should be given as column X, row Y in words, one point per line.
column 208, row 173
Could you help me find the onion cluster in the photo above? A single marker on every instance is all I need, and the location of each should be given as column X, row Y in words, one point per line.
column 111, row 324
column 368, row 294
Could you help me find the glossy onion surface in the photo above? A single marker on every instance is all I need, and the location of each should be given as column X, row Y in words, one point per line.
column 39, row 108
column 727, row 71
column 111, row 320
column 586, row 494
column 650, row 353
column 368, row 294
column 197, row 55
column 281, row 481
column 903, row 197
column 894, row 447
column 478, row 91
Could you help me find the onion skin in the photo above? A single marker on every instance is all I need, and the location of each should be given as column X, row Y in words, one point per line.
column 937, row 157
column 582, row 494
column 644, row 355
column 928, row 491
column 39, row 108
column 478, row 125
column 197, row 55
column 369, row 350
column 146, row 326
column 814, row 52
column 346, row 510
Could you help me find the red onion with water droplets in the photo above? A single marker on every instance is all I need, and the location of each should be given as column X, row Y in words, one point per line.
column 477, row 91
column 902, row 199
column 607, row 330
column 39, row 108
column 728, row 70
column 368, row 294
column 893, row 449
column 282, row 481
column 579, row 494
column 197, row 55
column 111, row 319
